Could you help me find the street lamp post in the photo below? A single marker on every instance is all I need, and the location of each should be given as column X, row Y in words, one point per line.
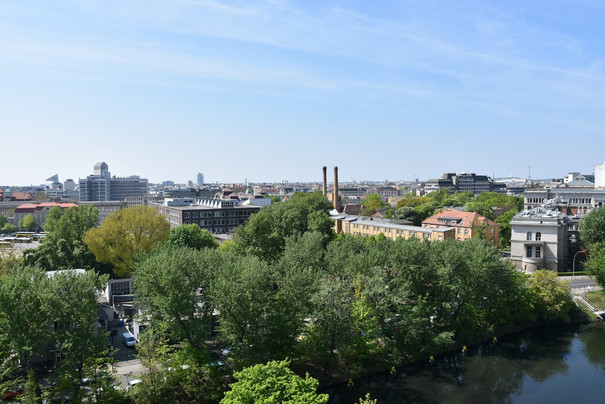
column 573, row 263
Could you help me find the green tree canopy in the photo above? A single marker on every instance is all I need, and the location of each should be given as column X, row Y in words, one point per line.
column 273, row 383
column 3, row 221
column 551, row 298
column 29, row 222
column 592, row 227
column 266, row 232
column 172, row 284
column 596, row 263
column 63, row 247
column 191, row 236
column 125, row 233
column 38, row 310
column 372, row 203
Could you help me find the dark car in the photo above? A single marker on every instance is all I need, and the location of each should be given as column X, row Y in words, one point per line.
column 12, row 393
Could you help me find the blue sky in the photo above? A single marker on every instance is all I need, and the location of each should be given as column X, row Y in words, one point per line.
column 273, row 90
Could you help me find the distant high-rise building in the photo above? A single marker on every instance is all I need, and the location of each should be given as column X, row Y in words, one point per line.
column 100, row 187
column 69, row 185
column 599, row 175
column 200, row 179
column 101, row 170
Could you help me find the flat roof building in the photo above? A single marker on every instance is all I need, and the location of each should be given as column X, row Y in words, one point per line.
column 215, row 215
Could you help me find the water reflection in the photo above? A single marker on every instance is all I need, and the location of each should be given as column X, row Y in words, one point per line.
column 592, row 339
column 528, row 366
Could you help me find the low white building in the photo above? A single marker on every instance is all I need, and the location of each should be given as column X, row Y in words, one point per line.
column 539, row 239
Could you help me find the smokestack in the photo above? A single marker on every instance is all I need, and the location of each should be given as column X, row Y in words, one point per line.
column 336, row 199
column 338, row 222
column 325, row 180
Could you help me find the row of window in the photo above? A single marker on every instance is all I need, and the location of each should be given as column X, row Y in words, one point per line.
column 232, row 222
column 533, row 252
column 221, row 213
column 538, row 236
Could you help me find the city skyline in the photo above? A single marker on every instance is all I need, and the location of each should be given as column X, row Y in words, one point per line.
column 273, row 90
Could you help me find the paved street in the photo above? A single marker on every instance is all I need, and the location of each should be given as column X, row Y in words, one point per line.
column 580, row 284
column 127, row 366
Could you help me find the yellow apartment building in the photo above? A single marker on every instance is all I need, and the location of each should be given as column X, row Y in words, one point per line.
column 357, row 225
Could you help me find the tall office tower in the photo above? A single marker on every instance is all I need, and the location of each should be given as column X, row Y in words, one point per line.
column 100, row 187
column 200, row 179
column 101, row 170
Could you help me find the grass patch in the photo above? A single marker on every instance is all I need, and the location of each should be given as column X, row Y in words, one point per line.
column 597, row 298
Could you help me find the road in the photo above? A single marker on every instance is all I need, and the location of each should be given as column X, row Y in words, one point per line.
column 127, row 366
column 580, row 284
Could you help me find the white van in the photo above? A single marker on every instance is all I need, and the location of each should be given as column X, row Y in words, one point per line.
column 128, row 339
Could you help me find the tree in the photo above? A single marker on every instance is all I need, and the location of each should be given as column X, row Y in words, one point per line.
column 8, row 228
column 504, row 228
column 63, row 247
column 266, row 231
column 176, row 374
column 192, row 236
column 126, row 233
column 371, row 204
column 551, row 298
column 596, row 263
column 29, row 223
column 244, row 294
column 172, row 285
column 3, row 221
column 9, row 263
column 71, row 304
column 24, row 325
column 592, row 227
column 273, row 383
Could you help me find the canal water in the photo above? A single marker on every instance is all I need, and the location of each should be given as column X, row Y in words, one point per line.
column 554, row 364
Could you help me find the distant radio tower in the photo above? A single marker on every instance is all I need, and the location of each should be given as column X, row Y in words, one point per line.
column 529, row 174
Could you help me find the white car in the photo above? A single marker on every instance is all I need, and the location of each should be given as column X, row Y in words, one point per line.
column 133, row 383
column 128, row 339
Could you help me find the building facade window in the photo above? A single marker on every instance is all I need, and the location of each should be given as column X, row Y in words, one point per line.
column 528, row 252
column 529, row 236
column 537, row 252
column 538, row 236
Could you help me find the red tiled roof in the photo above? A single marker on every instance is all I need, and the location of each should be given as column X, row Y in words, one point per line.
column 468, row 218
column 22, row 196
column 30, row 207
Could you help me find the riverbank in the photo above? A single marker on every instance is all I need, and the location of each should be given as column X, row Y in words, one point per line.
column 334, row 378
column 549, row 363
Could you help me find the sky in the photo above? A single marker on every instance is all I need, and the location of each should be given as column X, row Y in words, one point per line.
column 274, row 90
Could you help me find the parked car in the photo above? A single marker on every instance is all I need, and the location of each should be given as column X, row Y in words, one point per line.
column 128, row 339
column 12, row 393
column 133, row 383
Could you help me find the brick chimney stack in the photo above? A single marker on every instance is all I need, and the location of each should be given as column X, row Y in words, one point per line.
column 325, row 180
column 336, row 198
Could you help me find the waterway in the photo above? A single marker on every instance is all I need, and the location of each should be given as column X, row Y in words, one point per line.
column 554, row 364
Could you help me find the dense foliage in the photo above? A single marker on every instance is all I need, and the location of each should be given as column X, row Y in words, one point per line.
column 286, row 289
column 273, row 383
column 265, row 234
column 592, row 235
column 125, row 233
column 192, row 236
column 592, row 227
column 38, row 311
column 63, row 247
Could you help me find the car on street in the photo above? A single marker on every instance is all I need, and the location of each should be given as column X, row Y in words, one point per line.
column 128, row 339
column 133, row 383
